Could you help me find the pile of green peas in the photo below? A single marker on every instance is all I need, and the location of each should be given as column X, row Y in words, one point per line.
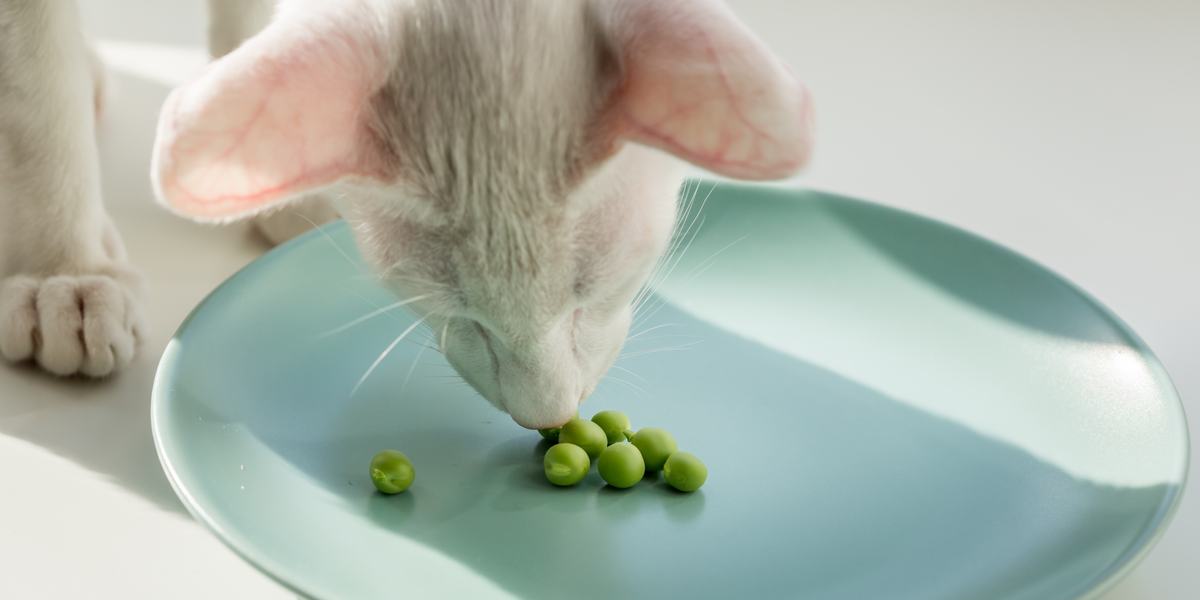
column 622, row 456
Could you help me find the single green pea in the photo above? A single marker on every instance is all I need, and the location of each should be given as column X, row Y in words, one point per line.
column 614, row 423
column 586, row 435
column 566, row 464
column 685, row 472
column 656, row 445
column 621, row 465
column 391, row 472
column 551, row 433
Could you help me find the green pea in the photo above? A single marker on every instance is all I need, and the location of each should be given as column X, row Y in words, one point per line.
column 391, row 472
column 586, row 435
column 566, row 464
column 551, row 433
column 656, row 445
column 621, row 465
column 685, row 472
column 614, row 423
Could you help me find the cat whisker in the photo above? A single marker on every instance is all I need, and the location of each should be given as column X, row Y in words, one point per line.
column 674, row 256
column 333, row 242
column 630, row 384
column 384, row 354
column 371, row 315
column 694, row 221
column 667, row 336
column 361, row 275
column 707, row 263
column 690, row 234
column 648, row 330
column 631, row 372
column 657, row 350
column 678, row 234
column 416, row 360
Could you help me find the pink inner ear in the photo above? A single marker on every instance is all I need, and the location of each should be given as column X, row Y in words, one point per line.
column 282, row 115
column 698, row 84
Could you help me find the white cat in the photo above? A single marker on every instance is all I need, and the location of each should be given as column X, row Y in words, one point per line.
column 512, row 164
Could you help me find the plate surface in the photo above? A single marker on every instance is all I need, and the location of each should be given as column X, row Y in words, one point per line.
column 889, row 407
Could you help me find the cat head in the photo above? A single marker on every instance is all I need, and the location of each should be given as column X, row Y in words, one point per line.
column 513, row 164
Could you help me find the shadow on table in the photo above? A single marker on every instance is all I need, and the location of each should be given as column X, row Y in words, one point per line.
column 104, row 425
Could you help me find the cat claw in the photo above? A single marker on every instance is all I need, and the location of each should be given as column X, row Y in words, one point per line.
column 87, row 324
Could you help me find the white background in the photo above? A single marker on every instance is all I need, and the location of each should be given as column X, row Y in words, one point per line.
column 1068, row 130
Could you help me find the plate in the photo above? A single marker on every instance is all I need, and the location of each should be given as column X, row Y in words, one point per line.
column 888, row 407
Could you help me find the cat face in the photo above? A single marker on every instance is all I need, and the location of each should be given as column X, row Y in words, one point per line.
column 531, row 317
column 513, row 165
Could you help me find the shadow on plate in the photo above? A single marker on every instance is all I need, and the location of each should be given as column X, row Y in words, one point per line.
column 970, row 268
column 864, row 494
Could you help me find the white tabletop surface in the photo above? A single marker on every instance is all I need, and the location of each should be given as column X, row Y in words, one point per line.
column 1067, row 130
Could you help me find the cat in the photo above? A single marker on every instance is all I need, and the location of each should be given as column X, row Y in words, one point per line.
column 509, row 168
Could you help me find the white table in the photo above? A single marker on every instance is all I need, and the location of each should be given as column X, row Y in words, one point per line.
column 1069, row 131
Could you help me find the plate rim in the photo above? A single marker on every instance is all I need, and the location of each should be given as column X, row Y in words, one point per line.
column 265, row 565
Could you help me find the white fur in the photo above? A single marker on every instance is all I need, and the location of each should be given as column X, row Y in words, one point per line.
column 509, row 161
column 68, row 297
column 481, row 152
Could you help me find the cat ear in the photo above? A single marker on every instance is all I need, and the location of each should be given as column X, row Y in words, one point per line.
column 698, row 84
column 287, row 112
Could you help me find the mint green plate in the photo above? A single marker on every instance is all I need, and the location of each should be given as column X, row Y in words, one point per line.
column 888, row 407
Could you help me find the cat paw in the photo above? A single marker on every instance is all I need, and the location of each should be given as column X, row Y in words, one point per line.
column 88, row 324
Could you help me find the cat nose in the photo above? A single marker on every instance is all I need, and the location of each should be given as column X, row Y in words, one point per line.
column 539, row 379
column 541, row 423
column 544, row 412
column 544, row 419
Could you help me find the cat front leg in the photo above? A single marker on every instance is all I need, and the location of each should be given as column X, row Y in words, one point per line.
column 69, row 300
